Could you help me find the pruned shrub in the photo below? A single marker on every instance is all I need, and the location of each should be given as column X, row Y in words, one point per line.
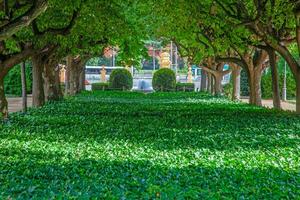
column 185, row 87
column 164, row 80
column 100, row 86
column 120, row 79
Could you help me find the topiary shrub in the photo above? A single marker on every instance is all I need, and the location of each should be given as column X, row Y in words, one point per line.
column 120, row 79
column 164, row 80
column 185, row 87
column 100, row 86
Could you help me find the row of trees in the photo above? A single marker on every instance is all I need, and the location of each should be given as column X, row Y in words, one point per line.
column 248, row 35
column 50, row 32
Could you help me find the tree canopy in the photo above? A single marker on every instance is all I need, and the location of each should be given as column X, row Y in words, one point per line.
column 206, row 32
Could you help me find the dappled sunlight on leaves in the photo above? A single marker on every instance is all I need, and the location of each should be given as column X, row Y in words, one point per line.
column 161, row 145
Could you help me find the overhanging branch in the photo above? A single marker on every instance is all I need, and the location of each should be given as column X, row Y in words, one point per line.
column 38, row 7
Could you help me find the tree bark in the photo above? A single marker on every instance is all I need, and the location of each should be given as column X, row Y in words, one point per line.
column 3, row 101
column 67, row 74
column 24, row 87
column 38, row 96
column 255, row 66
column 218, row 84
column 73, row 67
column 82, row 80
column 275, row 79
column 255, row 87
column 236, row 79
column 298, row 94
column 51, row 81
column 209, row 77
column 203, row 81
column 74, row 80
column 212, row 85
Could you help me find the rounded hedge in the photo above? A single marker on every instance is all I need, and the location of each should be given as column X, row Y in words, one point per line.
column 120, row 79
column 164, row 80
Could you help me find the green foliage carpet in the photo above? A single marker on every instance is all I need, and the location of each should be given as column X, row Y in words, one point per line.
column 114, row 145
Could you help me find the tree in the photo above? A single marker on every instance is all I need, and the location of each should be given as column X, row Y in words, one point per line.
column 275, row 23
column 206, row 34
column 67, row 28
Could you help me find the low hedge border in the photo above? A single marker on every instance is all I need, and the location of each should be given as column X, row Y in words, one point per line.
column 100, row 86
column 185, row 87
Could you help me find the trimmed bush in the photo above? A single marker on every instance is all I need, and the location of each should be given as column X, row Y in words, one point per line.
column 120, row 79
column 185, row 87
column 164, row 80
column 100, row 86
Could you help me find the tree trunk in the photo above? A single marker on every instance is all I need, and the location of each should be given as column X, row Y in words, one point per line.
column 67, row 75
column 294, row 66
column 218, row 84
column 298, row 94
column 24, row 87
column 57, row 82
column 275, row 79
column 212, row 85
column 82, row 80
column 76, row 74
column 74, row 80
column 236, row 78
column 255, row 87
column 38, row 97
column 52, row 85
column 209, row 77
column 3, row 101
column 74, row 77
column 203, row 81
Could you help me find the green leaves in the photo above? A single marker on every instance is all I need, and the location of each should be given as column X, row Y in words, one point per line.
column 123, row 145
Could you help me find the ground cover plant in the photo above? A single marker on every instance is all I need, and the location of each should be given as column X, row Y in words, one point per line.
column 123, row 145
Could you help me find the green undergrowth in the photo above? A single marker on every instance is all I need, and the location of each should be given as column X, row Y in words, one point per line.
column 123, row 145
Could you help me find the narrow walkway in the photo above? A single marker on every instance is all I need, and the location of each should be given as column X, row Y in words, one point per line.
column 269, row 104
column 15, row 103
